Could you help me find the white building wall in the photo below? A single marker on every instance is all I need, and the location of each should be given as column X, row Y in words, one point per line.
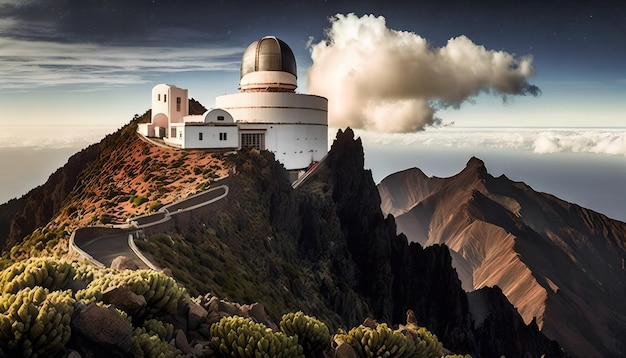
column 171, row 102
column 159, row 106
column 276, row 107
column 146, row 129
column 213, row 137
column 295, row 125
column 294, row 145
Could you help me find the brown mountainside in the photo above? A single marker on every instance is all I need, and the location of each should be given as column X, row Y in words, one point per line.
column 558, row 263
column 108, row 182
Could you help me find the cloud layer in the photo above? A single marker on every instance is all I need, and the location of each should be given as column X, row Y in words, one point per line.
column 540, row 141
column 34, row 64
column 385, row 80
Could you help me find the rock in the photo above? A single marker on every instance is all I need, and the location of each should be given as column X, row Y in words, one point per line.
column 74, row 354
column 198, row 350
column 228, row 308
column 213, row 304
column 195, row 315
column 204, row 329
column 212, row 317
column 178, row 321
column 123, row 263
column 101, row 331
column 370, row 322
column 257, row 312
column 345, row 350
column 182, row 343
column 124, row 299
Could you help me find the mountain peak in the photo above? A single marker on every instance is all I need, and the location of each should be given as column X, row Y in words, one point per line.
column 475, row 165
column 474, row 162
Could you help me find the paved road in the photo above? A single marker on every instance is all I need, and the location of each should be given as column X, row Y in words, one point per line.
column 107, row 247
column 195, row 201
column 142, row 221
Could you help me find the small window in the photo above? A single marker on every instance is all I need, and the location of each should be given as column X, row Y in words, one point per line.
column 158, row 97
column 223, row 136
column 200, row 136
column 220, row 118
column 178, row 101
column 164, row 98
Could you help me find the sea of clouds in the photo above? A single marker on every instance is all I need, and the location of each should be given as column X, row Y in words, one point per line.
column 52, row 137
column 610, row 141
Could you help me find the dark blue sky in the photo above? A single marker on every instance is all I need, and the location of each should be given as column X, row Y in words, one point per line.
column 121, row 48
column 573, row 36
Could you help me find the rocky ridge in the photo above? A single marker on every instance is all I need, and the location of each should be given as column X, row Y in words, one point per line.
column 558, row 264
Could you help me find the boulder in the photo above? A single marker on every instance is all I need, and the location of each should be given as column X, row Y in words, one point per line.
column 345, row 350
column 257, row 312
column 124, row 263
column 101, row 331
column 182, row 343
column 228, row 308
column 195, row 314
column 124, row 299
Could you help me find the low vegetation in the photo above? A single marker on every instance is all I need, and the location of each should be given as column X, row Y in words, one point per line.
column 39, row 297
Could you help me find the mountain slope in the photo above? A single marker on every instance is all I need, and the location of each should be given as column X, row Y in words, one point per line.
column 107, row 182
column 325, row 248
column 556, row 262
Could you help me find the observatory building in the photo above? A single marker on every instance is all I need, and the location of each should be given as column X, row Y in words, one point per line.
column 266, row 113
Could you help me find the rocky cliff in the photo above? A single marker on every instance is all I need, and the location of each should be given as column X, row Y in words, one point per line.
column 559, row 264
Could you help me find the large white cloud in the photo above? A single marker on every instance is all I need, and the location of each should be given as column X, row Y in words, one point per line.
column 392, row 81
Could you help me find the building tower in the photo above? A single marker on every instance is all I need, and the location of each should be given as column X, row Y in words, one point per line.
column 268, row 111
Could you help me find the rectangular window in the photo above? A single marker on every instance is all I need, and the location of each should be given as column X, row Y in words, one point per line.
column 164, row 98
column 158, row 96
column 220, row 118
column 200, row 136
column 254, row 140
column 178, row 105
column 223, row 136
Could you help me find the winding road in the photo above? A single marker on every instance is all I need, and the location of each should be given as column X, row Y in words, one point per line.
column 102, row 245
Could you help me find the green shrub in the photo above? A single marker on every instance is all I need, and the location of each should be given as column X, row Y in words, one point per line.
column 313, row 334
column 35, row 321
column 241, row 337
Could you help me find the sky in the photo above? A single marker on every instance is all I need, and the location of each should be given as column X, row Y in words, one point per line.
column 410, row 72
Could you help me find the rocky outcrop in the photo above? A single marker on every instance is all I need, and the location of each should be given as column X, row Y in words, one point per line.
column 100, row 332
column 103, row 332
column 392, row 275
column 125, row 299
column 495, row 319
